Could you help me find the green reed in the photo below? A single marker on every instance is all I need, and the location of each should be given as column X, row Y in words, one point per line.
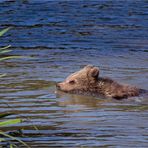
column 4, row 50
column 3, row 57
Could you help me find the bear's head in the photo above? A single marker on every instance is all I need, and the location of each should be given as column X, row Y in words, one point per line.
column 82, row 81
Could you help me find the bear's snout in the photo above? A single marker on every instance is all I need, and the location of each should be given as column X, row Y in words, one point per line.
column 58, row 85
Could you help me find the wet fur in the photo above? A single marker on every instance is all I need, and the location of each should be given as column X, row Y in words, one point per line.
column 88, row 82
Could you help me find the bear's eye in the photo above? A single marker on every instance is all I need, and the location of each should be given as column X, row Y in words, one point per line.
column 72, row 82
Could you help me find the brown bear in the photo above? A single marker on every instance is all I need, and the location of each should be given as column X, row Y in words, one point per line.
column 87, row 82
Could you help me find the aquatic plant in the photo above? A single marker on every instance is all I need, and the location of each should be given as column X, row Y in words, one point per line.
column 4, row 50
column 6, row 123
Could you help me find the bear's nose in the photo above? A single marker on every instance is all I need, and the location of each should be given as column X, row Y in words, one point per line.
column 58, row 85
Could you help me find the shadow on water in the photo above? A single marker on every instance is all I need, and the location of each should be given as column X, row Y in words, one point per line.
column 62, row 37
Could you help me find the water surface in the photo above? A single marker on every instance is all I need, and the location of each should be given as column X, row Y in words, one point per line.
column 62, row 37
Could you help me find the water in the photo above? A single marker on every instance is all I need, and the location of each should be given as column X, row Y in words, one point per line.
column 62, row 37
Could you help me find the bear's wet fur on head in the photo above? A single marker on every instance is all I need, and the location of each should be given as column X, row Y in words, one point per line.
column 88, row 82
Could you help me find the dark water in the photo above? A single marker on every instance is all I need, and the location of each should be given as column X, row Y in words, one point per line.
column 61, row 37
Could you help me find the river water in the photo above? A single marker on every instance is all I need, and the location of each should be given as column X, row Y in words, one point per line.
column 58, row 38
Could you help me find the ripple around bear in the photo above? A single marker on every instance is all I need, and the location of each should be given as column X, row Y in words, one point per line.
column 87, row 82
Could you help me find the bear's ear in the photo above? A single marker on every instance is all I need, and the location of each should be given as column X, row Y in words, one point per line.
column 94, row 72
column 89, row 66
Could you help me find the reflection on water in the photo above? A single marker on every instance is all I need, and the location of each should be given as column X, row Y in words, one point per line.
column 84, row 102
column 61, row 37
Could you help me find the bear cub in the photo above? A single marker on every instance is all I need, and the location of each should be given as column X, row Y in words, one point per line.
column 87, row 82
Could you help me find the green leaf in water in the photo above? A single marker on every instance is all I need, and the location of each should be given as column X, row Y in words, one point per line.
column 14, row 138
column 2, row 139
column 11, row 145
column 4, row 31
column 8, row 122
column 4, row 51
column 5, row 115
column 2, row 75
column 6, row 47
column 11, row 57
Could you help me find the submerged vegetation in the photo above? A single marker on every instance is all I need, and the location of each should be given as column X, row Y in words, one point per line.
column 7, row 123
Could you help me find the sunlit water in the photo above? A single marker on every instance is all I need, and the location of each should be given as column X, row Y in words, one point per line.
column 61, row 37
